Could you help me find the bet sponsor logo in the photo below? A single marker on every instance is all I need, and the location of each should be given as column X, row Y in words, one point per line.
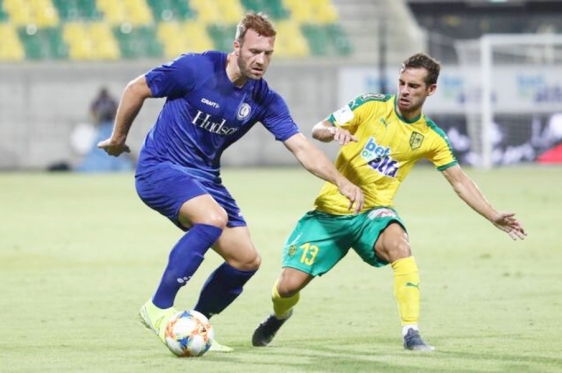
column 378, row 157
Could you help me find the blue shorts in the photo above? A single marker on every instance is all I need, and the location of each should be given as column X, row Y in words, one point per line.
column 165, row 187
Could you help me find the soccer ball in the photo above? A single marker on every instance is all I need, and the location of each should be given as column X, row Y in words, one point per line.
column 189, row 334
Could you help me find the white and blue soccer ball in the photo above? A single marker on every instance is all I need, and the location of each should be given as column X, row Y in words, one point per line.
column 189, row 334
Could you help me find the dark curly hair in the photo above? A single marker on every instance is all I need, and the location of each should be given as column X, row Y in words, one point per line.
column 422, row 60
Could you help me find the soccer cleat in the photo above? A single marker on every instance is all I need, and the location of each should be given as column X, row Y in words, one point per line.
column 155, row 318
column 217, row 347
column 264, row 333
column 413, row 341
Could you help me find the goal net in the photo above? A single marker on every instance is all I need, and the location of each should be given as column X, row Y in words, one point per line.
column 512, row 96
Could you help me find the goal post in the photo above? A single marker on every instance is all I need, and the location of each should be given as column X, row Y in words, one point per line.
column 512, row 86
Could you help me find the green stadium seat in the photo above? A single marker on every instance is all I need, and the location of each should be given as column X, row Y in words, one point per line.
column 339, row 39
column 138, row 42
column 43, row 43
column 153, row 48
column 3, row 14
column 168, row 10
column 73, row 10
column 58, row 48
column 162, row 10
column 184, row 9
column 273, row 8
column 222, row 36
column 318, row 40
column 32, row 44
column 254, row 5
column 132, row 27
column 327, row 40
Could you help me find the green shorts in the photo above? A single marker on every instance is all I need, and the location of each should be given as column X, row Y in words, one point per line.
column 321, row 240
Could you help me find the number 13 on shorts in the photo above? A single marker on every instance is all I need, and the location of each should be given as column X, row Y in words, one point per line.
column 309, row 253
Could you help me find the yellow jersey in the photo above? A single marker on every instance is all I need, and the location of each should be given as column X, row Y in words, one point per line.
column 388, row 147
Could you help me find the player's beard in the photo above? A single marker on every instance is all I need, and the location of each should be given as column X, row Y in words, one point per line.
column 411, row 106
column 246, row 70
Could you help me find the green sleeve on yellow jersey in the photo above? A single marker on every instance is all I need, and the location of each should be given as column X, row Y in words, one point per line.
column 442, row 155
column 351, row 114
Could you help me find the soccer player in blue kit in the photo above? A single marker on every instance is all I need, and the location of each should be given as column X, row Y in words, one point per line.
column 213, row 99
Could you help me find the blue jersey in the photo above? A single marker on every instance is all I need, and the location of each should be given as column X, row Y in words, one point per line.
column 205, row 113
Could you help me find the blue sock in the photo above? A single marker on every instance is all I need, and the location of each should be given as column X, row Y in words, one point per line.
column 222, row 287
column 185, row 258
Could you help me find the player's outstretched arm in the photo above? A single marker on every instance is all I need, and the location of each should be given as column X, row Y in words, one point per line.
column 131, row 102
column 324, row 131
column 467, row 190
column 317, row 163
column 507, row 222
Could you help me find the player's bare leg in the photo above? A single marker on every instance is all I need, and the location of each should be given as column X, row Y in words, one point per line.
column 284, row 295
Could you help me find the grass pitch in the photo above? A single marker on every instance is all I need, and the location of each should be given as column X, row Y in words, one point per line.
column 79, row 255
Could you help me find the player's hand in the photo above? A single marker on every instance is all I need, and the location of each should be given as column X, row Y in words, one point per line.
column 507, row 222
column 354, row 194
column 342, row 136
column 112, row 148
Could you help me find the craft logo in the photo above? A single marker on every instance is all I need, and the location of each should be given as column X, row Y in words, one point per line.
column 210, row 103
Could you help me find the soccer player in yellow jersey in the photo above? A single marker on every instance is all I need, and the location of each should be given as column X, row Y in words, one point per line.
column 382, row 138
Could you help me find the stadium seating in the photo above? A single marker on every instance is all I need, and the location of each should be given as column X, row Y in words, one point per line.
column 98, row 30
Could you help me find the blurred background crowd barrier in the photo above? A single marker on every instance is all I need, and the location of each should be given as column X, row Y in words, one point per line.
column 499, row 96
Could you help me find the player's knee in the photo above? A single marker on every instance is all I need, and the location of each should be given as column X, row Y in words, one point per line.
column 286, row 289
column 249, row 261
column 218, row 218
column 254, row 263
column 399, row 250
column 393, row 244
column 397, row 247
column 289, row 285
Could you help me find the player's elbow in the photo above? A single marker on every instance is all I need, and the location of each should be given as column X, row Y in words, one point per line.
column 322, row 131
column 138, row 88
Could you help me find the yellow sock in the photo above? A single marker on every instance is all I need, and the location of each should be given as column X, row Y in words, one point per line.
column 282, row 306
column 406, row 290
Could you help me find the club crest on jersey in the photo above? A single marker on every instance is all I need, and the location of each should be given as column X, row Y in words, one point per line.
column 415, row 140
column 378, row 157
column 292, row 250
column 243, row 111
